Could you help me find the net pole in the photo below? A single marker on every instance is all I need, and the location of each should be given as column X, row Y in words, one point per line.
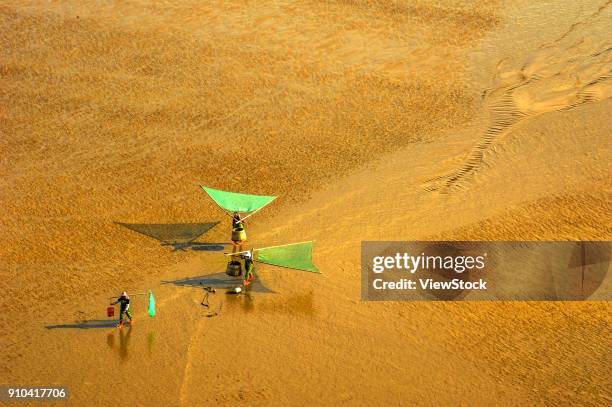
column 237, row 253
column 257, row 210
column 284, row 245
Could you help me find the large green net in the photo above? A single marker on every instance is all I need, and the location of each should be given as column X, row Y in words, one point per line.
column 235, row 202
column 296, row 256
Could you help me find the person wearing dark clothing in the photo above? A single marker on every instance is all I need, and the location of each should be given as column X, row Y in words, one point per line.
column 238, row 231
column 124, row 303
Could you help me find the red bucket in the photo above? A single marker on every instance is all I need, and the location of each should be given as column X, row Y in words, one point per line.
column 110, row 311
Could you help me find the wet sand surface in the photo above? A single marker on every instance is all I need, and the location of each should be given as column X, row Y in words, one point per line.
column 371, row 121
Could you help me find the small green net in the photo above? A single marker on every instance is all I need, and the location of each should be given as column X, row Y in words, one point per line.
column 295, row 256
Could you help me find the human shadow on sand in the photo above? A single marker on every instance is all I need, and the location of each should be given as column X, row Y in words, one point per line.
column 220, row 281
column 101, row 323
column 181, row 236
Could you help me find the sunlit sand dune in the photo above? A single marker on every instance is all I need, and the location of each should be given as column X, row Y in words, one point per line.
column 372, row 120
column 573, row 70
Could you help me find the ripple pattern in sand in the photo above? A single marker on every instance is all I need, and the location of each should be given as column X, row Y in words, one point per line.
column 573, row 70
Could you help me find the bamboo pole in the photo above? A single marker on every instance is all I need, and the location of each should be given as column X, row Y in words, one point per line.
column 269, row 247
column 117, row 296
column 257, row 210
column 237, row 253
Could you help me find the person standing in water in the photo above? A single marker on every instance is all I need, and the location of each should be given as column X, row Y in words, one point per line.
column 124, row 301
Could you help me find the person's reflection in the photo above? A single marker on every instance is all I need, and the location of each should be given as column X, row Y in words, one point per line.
column 110, row 340
column 243, row 301
column 124, row 339
column 248, row 305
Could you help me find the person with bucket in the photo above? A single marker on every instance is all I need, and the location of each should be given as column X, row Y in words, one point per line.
column 124, row 301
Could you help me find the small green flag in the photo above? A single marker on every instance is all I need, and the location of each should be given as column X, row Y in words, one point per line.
column 151, row 309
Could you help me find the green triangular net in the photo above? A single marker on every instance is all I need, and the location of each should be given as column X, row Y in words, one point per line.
column 295, row 256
